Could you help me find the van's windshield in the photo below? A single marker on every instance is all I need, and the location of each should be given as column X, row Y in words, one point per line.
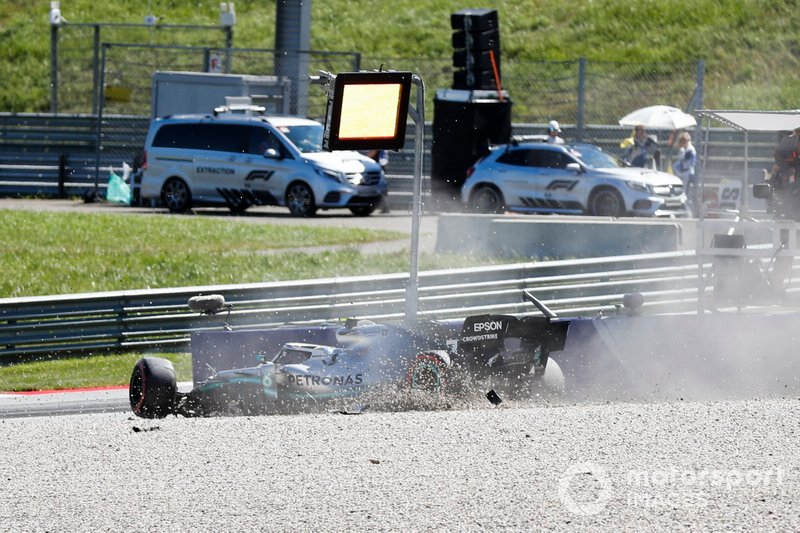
column 306, row 138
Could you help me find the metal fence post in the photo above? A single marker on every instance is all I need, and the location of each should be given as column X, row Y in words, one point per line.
column 95, row 71
column 99, row 125
column 228, row 46
column 54, row 68
column 580, row 119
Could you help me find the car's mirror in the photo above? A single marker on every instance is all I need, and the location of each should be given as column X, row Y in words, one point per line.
column 762, row 191
column 574, row 167
column 272, row 153
column 262, row 358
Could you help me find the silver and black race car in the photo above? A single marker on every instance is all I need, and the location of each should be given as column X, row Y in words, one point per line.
column 497, row 351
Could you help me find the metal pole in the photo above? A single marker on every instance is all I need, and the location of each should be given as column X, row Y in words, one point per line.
column 581, row 118
column 412, row 290
column 228, row 46
column 99, row 137
column 54, row 68
column 95, row 72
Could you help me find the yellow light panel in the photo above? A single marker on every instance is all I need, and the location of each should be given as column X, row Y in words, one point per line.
column 370, row 111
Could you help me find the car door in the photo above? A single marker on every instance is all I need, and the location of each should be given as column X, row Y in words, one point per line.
column 558, row 188
column 218, row 165
column 266, row 162
column 518, row 178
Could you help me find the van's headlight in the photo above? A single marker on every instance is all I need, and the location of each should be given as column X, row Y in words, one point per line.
column 637, row 186
column 332, row 175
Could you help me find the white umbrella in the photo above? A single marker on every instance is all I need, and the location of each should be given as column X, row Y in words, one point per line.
column 659, row 117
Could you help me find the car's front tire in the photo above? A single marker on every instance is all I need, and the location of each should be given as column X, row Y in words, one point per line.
column 153, row 388
column 300, row 200
column 176, row 195
column 487, row 199
column 606, row 202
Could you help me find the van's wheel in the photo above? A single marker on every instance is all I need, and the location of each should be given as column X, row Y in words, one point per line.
column 176, row 195
column 300, row 200
column 153, row 388
column 488, row 199
column 427, row 372
column 606, row 202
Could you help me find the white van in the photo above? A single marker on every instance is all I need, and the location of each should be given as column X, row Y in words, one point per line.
column 241, row 160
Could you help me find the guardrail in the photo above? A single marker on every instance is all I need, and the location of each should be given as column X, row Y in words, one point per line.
column 160, row 318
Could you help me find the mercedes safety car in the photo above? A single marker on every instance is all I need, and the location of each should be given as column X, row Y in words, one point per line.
column 531, row 176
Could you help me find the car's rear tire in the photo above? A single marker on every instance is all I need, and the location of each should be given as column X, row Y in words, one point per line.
column 300, row 200
column 606, row 202
column 487, row 199
column 428, row 372
column 153, row 388
column 176, row 195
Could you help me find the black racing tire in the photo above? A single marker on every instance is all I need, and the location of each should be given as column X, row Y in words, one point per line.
column 176, row 195
column 300, row 200
column 363, row 210
column 606, row 202
column 153, row 388
column 428, row 372
column 487, row 199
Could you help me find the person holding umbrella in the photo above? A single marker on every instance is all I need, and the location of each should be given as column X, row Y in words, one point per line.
column 640, row 149
column 657, row 117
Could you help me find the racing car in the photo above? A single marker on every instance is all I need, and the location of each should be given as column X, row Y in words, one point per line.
column 440, row 357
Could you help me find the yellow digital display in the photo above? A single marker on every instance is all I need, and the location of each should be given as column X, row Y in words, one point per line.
column 367, row 111
column 370, row 111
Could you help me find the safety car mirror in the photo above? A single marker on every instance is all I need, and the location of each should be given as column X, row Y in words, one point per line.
column 272, row 153
column 574, row 167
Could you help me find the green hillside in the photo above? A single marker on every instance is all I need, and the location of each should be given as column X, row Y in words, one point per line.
column 751, row 47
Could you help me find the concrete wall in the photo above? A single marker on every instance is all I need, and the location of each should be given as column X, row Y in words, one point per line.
column 546, row 237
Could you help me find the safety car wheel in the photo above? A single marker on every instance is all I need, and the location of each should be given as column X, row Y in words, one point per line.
column 300, row 200
column 606, row 202
column 175, row 194
column 153, row 388
column 488, row 199
column 427, row 372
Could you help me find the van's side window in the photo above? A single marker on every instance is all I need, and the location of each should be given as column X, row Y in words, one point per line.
column 216, row 137
column 261, row 140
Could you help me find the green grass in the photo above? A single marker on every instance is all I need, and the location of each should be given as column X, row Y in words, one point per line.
column 80, row 372
column 47, row 253
column 750, row 46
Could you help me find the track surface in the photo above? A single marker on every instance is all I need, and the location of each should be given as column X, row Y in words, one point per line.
column 685, row 465
column 668, row 465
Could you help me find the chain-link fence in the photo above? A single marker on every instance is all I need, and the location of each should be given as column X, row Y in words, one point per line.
column 76, row 50
column 579, row 94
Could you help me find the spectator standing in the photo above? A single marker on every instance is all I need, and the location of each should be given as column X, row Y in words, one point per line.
column 640, row 149
column 553, row 131
column 686, row 160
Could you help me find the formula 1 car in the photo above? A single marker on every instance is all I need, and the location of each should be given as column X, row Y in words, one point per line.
column 504, row 351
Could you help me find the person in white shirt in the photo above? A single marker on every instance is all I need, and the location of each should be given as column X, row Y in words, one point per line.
column 553, row 131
